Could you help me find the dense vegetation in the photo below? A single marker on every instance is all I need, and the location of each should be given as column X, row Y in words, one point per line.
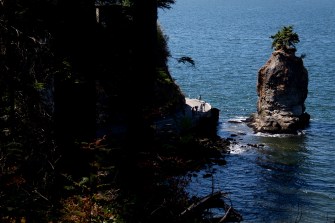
column 78, row 99
column 285, row 39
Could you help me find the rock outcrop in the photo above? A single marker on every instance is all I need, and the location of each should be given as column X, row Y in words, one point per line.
column 282, row 90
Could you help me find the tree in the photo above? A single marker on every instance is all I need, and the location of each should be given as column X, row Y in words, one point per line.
column 74, row 39
column 285, row 39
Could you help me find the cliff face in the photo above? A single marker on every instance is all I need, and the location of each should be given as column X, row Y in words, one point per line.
column 282, row 90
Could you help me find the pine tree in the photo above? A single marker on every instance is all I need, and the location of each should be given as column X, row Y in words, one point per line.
column 285, row 39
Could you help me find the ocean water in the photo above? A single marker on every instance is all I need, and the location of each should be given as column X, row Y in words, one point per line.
column 289, row 178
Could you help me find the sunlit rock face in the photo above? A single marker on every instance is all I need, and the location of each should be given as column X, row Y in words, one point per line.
column 282, row 90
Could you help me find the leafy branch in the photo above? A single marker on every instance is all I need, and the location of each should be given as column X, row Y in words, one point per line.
column 285, row 39
column 186, row 59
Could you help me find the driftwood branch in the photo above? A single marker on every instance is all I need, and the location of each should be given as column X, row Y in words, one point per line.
column 223, row 219
column 202, row 202
column 213, row 200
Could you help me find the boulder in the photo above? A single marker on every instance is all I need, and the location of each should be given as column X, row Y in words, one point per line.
column 282, row 90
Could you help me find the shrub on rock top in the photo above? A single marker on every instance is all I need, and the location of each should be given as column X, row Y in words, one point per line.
column 285, row 39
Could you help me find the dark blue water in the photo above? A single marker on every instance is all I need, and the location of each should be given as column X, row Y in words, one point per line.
column 290, row 178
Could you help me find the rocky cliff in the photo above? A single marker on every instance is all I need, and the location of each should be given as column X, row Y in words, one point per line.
column 282, row 90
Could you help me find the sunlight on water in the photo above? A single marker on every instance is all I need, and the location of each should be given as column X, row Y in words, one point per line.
column 237, row 149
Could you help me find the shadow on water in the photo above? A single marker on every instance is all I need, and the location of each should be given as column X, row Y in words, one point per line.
column 282, row 163
column 265, row 176
column 280, row 178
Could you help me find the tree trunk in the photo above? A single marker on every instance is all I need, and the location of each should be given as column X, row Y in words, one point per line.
column 75, row 98
column 142, row 80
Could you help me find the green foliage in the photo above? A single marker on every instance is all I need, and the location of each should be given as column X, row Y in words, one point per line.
column 163, row 52
column 186, row 59
column 285, row 39
column 39, row 86
column 163, row 76
column 165, row 4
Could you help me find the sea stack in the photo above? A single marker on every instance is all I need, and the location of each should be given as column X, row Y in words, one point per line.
column 282, row 90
